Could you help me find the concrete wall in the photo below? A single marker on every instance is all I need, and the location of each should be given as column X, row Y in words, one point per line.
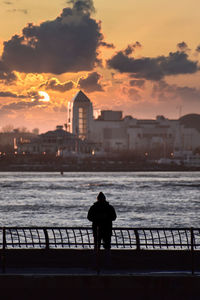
column 123, row 287
column 120, row 259
column 113, row 285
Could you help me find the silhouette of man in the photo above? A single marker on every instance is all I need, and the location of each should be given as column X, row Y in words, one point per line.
column 101, row 214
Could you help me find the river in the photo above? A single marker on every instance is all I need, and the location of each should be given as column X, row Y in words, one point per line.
column 141, row 199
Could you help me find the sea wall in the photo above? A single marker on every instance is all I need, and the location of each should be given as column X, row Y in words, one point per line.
column 72, row 274
column 168, row 287
column 134, row 260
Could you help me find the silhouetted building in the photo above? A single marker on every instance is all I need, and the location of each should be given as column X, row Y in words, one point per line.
column 9, row 140
column 80, row 116
column 56, row 142
column 111, row 132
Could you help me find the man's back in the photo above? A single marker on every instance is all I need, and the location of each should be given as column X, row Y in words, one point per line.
column 101, row 214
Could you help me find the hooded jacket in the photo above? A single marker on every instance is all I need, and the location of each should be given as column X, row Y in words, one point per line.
column 101, row 214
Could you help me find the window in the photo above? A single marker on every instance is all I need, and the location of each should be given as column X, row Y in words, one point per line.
column 82, row 114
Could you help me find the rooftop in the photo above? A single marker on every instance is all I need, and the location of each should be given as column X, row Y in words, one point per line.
column 81, row 97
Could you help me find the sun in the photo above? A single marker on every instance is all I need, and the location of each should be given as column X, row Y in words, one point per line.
column 44, row 95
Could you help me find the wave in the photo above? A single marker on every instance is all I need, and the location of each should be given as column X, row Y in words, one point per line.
column 144, row 187
column 187, row 185
column 38, row 207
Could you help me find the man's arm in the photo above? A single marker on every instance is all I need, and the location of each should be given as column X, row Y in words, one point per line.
column 90, row 215
column 113, row 215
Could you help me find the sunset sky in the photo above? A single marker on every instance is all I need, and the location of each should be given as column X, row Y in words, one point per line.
column 138, row 56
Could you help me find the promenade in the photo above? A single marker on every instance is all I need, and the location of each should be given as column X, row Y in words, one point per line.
column 149, row 263
column 85, row 283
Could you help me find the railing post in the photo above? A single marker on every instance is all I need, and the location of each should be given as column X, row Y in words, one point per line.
column 137, row 239
column 192, row 249
column 46, row 239
column 3, row 257
column 98, row 245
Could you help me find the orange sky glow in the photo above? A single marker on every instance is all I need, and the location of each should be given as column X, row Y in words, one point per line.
column 138, row 56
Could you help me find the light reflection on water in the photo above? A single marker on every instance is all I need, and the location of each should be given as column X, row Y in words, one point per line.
column 140, row 198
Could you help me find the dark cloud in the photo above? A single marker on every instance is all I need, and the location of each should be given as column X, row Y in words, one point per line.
column 33, row 99
column 83, row 6
column 131, row 48
column 6, row 75
column 198, row 48
column 137, row 83
column 134, row 95
column 107, row 45
column 32, row 94
column 153, row 68
column 91, row 83
column 67, row 44
column 55, row 85
column 164, row 92
column 182, row 46
column 10, row 94
column 20, row 105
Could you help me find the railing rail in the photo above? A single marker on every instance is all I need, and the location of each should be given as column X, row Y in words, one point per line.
column 82, row 237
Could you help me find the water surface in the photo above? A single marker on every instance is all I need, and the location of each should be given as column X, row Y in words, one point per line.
column 140, row 198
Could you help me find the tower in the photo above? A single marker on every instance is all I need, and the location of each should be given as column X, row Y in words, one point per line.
column 80, row 116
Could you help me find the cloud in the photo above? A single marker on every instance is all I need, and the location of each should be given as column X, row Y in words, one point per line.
column 91, row 83
column 10, row 94
column 165, row 92
column 107, row 45
column 32, row 99
column 133, row 94
column 21, row 105
column 33, row 95
column 83, row 6
column 153, row 68
column 55, row 85
column 138, row 83
column 131, row 48
column 6, row 75
column 198, row 48
column 182, row 46
column 67, row 44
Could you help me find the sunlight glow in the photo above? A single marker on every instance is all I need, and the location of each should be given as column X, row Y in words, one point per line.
column 44, row 95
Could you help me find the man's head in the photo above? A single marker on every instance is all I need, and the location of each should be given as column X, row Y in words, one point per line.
column 101, row 197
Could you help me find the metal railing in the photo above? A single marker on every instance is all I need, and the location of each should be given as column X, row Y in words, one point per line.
column 82, row 237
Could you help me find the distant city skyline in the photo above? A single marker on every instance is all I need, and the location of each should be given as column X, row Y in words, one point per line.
column 135, row 56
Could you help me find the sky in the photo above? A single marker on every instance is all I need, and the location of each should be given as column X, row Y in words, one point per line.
column 138, row 56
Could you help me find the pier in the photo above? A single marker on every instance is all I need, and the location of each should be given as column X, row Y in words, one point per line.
column 153, row 263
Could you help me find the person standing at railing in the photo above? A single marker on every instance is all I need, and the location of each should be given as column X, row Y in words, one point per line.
column 101, row 214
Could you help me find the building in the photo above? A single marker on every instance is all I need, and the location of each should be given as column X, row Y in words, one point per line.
column 143, row 137
column 54, row 142
column 108, row 131
column 8, row 140
column 80, row 116
column 111, row 132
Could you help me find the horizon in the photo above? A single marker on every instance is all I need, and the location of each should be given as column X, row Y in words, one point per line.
column 136, row 57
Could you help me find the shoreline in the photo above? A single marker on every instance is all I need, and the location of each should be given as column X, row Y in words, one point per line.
column 97, row 168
